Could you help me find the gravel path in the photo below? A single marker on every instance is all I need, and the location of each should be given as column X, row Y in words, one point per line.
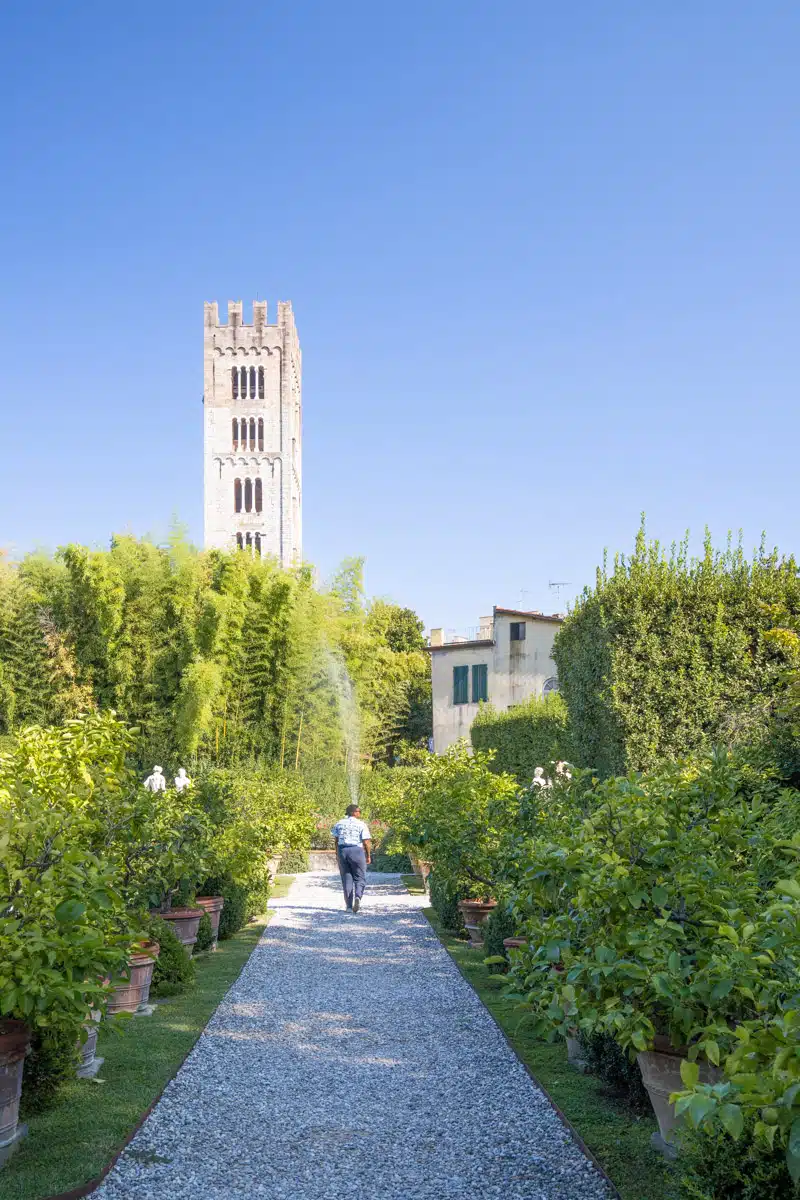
column 351, row 1059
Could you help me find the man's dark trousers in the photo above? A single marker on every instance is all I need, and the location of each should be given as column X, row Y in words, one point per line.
column 353, row 870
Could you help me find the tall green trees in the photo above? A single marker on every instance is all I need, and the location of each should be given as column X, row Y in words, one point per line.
column 219, row 655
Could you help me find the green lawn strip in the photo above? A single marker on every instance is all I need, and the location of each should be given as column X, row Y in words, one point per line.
column 619, row 1140
column 280, row 887
column 414, row 884
column 72, row 1142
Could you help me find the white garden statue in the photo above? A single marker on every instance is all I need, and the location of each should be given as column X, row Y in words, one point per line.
column 156, row 782
column 562, row 768
column 539, row 778
column 182, row 780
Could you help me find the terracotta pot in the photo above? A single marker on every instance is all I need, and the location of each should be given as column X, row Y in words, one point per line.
column 15, row 1040
column 661, row 1076
column 132, row 994
column 185, row 923
column 475, row 913
column 514, row 943
column 213, row 905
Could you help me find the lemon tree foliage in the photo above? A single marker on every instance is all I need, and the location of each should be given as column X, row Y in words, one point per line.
column 666, row 651
column 454, row 810
column 660, row 909
column 64, row 920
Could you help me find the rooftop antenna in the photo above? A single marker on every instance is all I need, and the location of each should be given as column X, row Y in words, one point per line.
column 523, row 593
column 556, row 585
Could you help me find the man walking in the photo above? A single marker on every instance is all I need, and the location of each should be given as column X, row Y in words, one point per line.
column 353, row 851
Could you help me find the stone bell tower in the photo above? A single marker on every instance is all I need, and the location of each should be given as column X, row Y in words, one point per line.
column 253, row 433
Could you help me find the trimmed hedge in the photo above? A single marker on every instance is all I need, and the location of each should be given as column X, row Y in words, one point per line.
column 174, row 969
column 205, row 935
column 393, row 864
column 667, row 654
column 51, row 1062
column 500, row 924
column 528, row 735
column 712, row 1166
column 444, row 902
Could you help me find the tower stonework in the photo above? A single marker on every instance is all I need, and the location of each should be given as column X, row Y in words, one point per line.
column 253, row 433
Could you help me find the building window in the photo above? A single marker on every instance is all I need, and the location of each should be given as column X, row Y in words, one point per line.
column 518, row 631
column 248, row 495
column 252, row 433
column 261, row 431
column 261, row 383
column 239, row 542
column 480, row 683
column 550, row 685
column 235, row 382
column 249, row 541
column 258, row 544
column 237, row 495
column 235, row 430
column 243, row 382
column 259, row 494
column 460, row 685
column 252, row 383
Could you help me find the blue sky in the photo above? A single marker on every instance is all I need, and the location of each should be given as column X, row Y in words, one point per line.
column 544, row 261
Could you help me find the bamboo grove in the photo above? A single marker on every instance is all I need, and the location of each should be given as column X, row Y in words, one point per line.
column 211, row 656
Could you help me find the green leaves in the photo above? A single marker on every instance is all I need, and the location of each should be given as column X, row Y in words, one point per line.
column 788, row 887
column 793, row 1151
column 711, row 1050
column 731, row 1119
column 690, row 1073
column 69, row 911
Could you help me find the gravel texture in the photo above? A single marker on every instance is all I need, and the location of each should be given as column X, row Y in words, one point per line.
column 349, row 1059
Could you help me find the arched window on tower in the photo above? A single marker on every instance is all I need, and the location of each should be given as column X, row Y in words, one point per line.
column 248, row 495
column 235, row 382
column 239, row 542
column 261, row 383
column 259, row 494
column 249, row 541
column 235, row 432
column 252, row 383
column 243, row 382
column 237, row 495
column 258, row 544
column 252, row 433
column 261, row 433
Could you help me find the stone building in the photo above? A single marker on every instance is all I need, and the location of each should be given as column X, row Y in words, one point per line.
column 253, row 432
column 506, row 659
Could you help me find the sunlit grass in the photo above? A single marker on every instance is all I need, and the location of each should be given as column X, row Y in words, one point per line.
column 72, row 1142
column 414, row 884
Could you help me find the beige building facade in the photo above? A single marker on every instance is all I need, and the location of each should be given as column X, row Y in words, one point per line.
column 252, row 398
column 509, row 659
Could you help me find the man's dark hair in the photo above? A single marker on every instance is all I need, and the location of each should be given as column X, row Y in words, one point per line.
column 352, row 808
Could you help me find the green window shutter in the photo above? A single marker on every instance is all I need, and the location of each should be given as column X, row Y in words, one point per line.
column 480, row 682
column 460, row 685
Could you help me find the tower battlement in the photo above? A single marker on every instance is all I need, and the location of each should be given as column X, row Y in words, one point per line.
column 253, row 431
column 235, row 315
